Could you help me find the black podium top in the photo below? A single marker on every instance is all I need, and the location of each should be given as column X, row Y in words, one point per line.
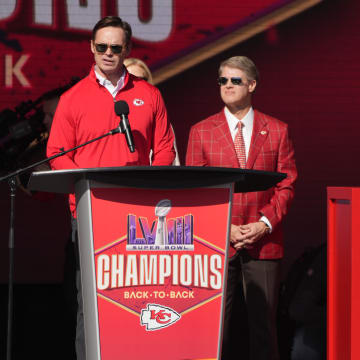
column 156, row 177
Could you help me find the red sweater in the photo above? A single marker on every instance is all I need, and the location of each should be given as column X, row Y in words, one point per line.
column 87, row 111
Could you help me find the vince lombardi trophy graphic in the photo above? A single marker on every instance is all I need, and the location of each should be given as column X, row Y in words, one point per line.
column 162, row 208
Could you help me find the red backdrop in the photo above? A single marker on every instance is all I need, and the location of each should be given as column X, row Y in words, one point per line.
column 310, row 75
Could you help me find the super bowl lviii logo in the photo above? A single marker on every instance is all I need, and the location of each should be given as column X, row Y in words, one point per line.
column 164, row 233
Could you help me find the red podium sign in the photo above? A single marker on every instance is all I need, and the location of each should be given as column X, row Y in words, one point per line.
column 159, row 258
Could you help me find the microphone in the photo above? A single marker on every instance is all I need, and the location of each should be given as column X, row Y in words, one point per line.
column 122, row 110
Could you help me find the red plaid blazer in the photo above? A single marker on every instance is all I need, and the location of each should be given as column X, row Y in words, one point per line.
column 210, row 144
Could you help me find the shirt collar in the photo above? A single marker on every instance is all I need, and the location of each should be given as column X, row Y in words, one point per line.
column 105, row 82
column 233, row 121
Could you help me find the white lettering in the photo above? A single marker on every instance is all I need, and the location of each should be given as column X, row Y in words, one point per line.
column 164, row 268
column 215, row 279
column 43, row 12
column 148, row 274
column 11, row 70
column 201, row 270
column 185, row 270
column 131, row 277
column 175, row 275
column 103, row 276
column 160, row 24
column 117, row 271
column 7, row 8
column 83, row 16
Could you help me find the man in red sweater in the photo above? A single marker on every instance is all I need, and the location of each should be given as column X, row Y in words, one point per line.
column 86, row 111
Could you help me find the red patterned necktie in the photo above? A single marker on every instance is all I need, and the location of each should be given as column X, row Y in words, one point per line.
column 240, row 146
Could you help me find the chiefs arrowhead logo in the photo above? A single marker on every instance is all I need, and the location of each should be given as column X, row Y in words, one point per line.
column 156, row 317
column 138, row 102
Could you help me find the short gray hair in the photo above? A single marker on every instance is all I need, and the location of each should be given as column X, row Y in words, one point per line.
column 243, row 63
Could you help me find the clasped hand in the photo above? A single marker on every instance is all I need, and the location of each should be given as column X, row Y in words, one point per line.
column 244, row 236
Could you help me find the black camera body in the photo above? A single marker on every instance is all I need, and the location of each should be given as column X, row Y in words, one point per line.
column 19, row 129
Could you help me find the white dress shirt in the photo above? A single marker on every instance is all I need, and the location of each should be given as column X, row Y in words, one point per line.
column 248, row 124
column 113, row 90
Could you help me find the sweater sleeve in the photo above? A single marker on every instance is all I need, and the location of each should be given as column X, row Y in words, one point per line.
column 62, row 137
column 163, row 136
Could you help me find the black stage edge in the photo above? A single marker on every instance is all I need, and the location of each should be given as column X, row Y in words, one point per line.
column 156, row 177
column 44, row 322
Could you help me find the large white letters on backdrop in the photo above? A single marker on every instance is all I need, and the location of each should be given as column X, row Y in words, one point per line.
column 7, row 7
column 83, row 17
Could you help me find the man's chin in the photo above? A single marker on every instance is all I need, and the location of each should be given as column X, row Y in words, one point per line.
column 110, row 70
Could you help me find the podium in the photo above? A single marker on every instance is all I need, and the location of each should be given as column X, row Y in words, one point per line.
column 153, row 255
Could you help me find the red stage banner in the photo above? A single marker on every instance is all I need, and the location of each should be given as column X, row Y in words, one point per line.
column 44, row 43
column 45, row 46
column 160, row 260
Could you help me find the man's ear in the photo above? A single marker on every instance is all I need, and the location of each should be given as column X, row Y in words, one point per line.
column 252, row 86
column 92, row 46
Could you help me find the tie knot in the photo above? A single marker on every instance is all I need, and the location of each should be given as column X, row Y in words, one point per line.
column 240, row 125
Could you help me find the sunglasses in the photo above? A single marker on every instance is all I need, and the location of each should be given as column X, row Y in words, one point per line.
column 234, row 80
column 101, row 48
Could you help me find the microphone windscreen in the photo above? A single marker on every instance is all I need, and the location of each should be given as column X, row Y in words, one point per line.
column 121, row 108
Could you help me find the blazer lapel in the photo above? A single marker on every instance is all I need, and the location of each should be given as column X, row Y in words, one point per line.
column 223, row 136
column 259, row 135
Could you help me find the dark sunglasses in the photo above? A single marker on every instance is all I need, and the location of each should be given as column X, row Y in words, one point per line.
column 234, row 80
column 101, row 48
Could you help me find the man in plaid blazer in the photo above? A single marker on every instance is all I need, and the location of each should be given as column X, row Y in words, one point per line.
column 259, row 142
